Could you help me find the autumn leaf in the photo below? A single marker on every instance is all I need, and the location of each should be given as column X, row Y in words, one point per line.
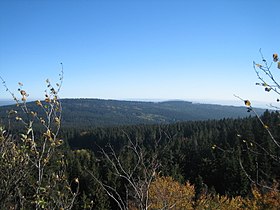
column 57, row 120
column 275, row 57
column 38, row 103
column 42, row 121
column 22, row 92
column 34, row 114
column 166, row 193
column 267, row 89
column 247, row 103
column 47, row 99
column 18, row 118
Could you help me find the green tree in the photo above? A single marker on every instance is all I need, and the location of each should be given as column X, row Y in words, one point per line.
column 263, row 150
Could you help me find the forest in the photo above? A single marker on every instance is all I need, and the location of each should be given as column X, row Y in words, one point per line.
column 88, row 113
column 223, row 163
column 214, row 164
column 206, row 154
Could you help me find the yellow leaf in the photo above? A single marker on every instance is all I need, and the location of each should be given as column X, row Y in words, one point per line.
column 166, row 193
column 57, row 120
column 247, row 103
column 47, row 99
column 42, row 121
column 38, row 103
column 18, row 118
column 34, row 114
column 278, row 66
column 275, row 57
column 23, row 93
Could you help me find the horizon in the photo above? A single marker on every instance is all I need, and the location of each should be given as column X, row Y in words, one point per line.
column 235, row 103
column 185, row 50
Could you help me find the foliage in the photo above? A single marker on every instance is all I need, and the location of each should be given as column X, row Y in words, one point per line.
column 184, row 153
column 140, row 166
column 216, row 201
column 165, row 193
column 268, row 199
column 91, row 195
column 133, row 169
column 14, row 170
column 270, row 150
column 32, row 164
column 266, row 75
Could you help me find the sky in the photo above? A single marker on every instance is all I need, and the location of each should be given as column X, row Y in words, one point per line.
column 138, row 49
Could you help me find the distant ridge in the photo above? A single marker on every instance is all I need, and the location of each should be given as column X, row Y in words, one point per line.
column 6, row 102
column 100, row 112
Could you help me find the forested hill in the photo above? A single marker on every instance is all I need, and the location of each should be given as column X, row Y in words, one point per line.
column 97, row 112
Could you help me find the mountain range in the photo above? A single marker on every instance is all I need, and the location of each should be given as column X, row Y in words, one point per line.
column 99, row 112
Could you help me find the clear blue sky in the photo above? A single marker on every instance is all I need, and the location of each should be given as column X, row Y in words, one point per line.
column 138, row 49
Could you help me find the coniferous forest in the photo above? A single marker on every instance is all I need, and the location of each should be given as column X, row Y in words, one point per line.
column 210, row 164
column 215, row 156
column 139, row 105
column 222, row 163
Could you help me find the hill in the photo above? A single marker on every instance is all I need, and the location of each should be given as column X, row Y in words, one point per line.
column 6, row 102
column 97, row 112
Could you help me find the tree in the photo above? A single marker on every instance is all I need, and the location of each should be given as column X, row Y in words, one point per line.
column 131, row 171
column 263, row 200
column 266, row 150
column 32, row 164
column 166, row 193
